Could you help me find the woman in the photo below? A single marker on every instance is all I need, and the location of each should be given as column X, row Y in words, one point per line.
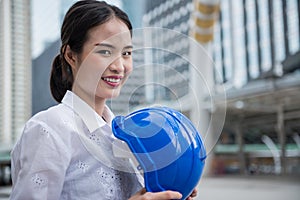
column 51, row 159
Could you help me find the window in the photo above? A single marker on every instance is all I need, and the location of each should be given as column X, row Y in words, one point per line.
column 240, row 74
column 293, row 25
column 265, row 44
column 252, row 39
column 278, row 31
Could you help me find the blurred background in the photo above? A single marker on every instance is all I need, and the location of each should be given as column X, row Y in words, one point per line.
column 231, row 66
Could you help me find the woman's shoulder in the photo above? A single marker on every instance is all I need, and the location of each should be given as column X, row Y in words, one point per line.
column 52, row 114
column 53, row 122
column 42, row 132
column 55, row 119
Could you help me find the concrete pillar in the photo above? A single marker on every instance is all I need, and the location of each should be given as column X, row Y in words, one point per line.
column 201, row 92
column 282, row 137
column 203, row 112
column 200, row 73
column 240, row 142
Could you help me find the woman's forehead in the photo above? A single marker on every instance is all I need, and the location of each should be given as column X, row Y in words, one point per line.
column 114, row 32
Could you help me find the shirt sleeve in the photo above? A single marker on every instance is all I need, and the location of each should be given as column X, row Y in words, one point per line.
column 39, row 163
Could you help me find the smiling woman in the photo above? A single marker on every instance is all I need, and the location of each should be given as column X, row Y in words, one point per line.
column 51, row 159
column 104, row 64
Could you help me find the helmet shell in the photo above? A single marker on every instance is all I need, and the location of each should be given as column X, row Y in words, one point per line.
column 167, row 146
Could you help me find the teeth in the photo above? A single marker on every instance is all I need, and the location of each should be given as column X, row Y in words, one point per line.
column 113, row 80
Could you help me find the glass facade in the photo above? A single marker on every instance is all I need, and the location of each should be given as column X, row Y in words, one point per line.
column 252, row 44
column 264, row 39
column 226, row 35
column 239, row 76
column 279, row 30
column 253, row 37
column 264, row 27
column 292, row 13
column 170, row 67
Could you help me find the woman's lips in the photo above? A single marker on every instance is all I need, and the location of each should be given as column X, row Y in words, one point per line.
column 113, row 81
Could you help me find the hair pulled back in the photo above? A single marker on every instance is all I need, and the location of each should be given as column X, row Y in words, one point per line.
column 79, row 19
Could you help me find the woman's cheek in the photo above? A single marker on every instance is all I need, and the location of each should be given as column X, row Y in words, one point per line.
column 128, row 67
column 89, row 76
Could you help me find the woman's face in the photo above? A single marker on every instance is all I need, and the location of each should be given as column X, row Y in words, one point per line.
column 105, row 62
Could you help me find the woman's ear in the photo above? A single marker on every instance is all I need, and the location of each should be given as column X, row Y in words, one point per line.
column 71, row 57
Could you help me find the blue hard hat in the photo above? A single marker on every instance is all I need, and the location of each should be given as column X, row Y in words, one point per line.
column 167, row 146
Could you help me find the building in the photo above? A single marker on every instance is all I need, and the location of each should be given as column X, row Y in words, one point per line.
column 41, row 69
column 256, row 52
column 15, row 71
column 255, row 43
column 176, row 27
column 179, row 72
column 15, row 77
column 170, row 68
column 264, row 34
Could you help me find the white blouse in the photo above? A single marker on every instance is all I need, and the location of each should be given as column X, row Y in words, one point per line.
column 52, row 159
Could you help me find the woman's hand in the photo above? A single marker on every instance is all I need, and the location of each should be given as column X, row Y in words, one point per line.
column 166, row 195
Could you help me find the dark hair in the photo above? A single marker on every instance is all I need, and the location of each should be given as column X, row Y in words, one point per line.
column 80, row 18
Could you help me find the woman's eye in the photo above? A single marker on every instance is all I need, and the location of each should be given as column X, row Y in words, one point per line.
column 105, row 52
column 127, row 53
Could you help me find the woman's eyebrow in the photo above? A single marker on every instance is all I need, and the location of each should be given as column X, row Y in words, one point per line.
column 113, row 47
column 105, row 45
column 128, row 47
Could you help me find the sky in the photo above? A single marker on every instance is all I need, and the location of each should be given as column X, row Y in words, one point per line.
column 46, row 23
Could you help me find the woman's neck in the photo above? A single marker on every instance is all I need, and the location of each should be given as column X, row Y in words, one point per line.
column 93, row 101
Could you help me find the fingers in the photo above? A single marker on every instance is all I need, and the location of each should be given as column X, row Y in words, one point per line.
column 166, row 195
column 194, row 193
column 142, row 191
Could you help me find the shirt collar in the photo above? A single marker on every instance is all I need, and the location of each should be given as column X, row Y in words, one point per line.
column 91, row 119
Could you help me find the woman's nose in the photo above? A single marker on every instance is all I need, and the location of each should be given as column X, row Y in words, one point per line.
column 117, row 65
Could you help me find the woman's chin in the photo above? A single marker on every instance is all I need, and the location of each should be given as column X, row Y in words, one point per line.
column 111, row 95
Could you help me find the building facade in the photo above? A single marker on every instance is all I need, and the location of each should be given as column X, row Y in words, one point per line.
column 256, row 49
column 15, row 68
column 170, row 68
column 253, row 42
column 41, row 69
column 260, row 33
